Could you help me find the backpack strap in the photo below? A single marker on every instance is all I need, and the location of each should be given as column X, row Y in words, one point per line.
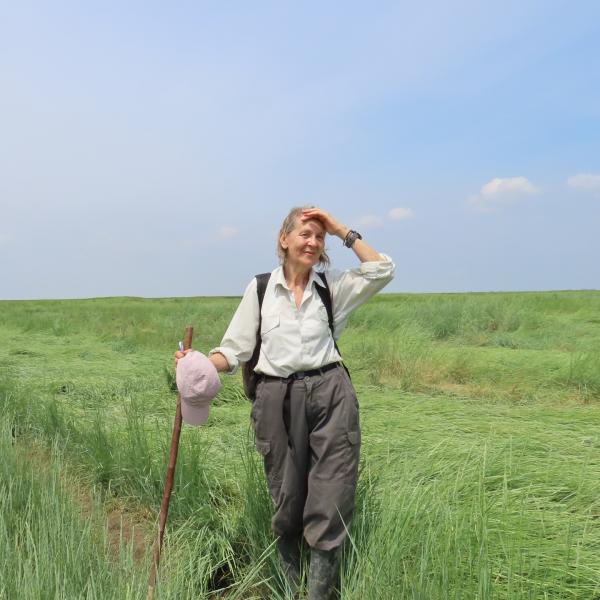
column 325, row 295
column 261, row 287
column 249, row 377
column 262, row 281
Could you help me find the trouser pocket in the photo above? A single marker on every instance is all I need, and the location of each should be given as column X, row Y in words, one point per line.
column 269, row 432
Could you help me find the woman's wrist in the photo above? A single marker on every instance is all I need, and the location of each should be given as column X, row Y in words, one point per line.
column 220, row 362
column 342, row 232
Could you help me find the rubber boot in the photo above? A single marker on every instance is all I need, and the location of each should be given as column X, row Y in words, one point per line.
column 324, row 573
column 289, row 555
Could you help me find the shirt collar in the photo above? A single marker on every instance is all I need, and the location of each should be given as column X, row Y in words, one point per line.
column 279, row 279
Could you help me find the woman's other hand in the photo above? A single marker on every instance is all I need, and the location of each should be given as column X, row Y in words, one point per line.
column 217, row 359
column 180, row 354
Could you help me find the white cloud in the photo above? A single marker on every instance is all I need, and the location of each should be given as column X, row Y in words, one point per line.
column 399, row 214
column 369, row 221
column 226, row 232
column 5, row 239
column 584, row 181
column 500, row 191
column 510, row 185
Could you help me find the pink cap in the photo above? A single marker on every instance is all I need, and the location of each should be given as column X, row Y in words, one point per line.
column 198, row 383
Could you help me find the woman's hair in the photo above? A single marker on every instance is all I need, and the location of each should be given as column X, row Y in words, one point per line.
column 287, row 227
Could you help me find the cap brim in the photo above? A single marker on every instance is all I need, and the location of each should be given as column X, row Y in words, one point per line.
column 194, row 415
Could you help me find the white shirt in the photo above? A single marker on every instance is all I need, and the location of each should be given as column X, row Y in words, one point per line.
column 299, row 339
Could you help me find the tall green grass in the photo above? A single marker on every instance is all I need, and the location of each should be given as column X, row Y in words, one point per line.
column 53, row 544
column 48, row 547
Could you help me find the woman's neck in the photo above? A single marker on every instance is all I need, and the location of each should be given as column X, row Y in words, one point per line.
column 296, row 277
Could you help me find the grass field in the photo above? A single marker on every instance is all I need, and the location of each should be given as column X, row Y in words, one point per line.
column 480, row 472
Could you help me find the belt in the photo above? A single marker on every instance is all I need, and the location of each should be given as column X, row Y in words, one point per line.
column 303, row 374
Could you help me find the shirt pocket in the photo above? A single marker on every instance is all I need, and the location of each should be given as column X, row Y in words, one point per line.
column 316, row 328
column 269, row 324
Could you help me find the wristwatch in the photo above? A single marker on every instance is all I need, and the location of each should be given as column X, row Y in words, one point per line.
column 351, row 237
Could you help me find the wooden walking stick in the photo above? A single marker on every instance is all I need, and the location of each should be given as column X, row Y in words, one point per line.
column 164, row 506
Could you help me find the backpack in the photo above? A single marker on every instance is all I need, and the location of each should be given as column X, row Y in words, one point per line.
column 249, row 376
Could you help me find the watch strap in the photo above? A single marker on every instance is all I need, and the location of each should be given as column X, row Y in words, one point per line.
column 351, row 237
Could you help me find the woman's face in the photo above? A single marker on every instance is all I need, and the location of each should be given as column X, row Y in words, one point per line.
column 304, row 244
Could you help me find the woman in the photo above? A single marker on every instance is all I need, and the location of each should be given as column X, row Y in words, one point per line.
column 305, row 414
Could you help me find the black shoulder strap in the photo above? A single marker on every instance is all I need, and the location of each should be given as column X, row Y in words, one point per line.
column 325, row 295
column 249, row 376
column 261, row 287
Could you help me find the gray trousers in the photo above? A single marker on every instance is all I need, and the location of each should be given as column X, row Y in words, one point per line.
column 308, row 433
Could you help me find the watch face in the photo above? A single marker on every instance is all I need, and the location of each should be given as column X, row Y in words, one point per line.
column 351, row 238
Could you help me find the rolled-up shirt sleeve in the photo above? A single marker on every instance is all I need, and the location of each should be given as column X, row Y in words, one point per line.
column 350, row 289
column 239, row 340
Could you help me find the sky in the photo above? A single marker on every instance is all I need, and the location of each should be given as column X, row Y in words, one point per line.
column 153, row 149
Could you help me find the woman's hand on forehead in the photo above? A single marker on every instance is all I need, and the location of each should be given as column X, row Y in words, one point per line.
column 331, row 225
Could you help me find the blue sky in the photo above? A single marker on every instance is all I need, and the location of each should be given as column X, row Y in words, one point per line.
column 153, row 149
